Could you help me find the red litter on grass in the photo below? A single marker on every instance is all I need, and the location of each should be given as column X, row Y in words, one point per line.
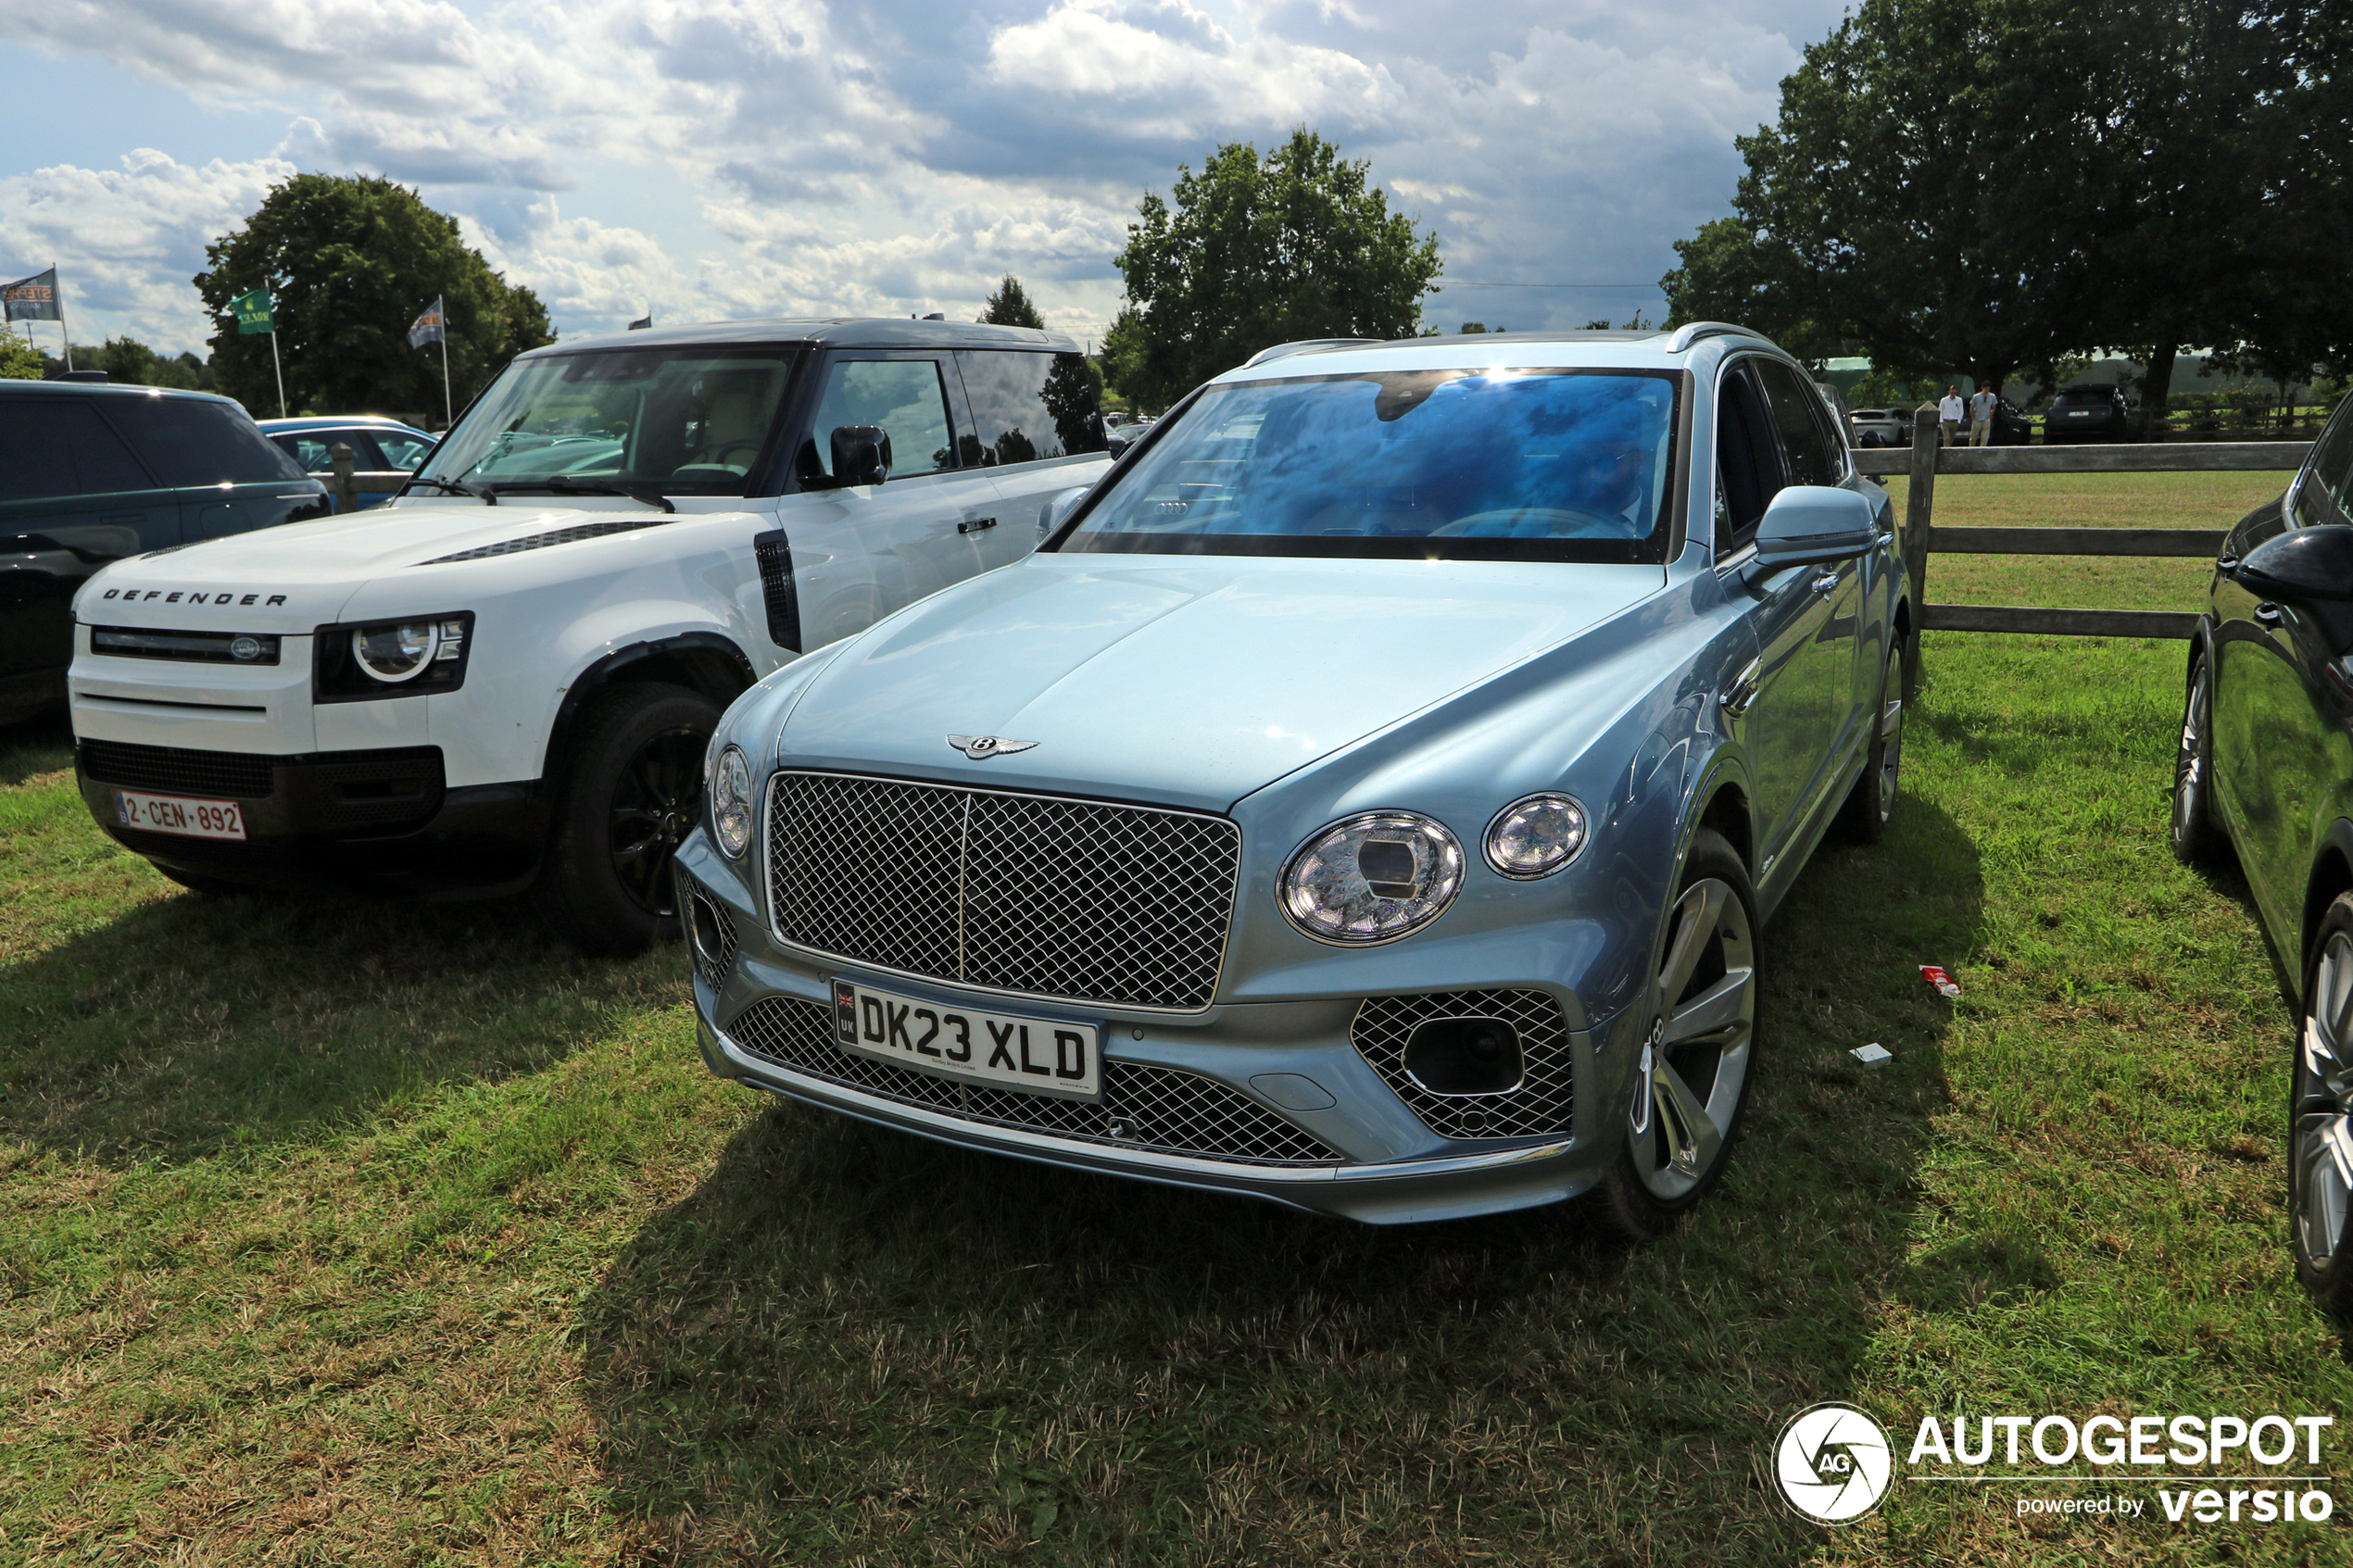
column 1939, row 979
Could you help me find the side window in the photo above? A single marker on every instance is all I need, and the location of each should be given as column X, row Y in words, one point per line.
column 1027, row 406
column 190, row 442
column 402, row 451
column 903, row 396
column 1797, row 420
column 62, row 449
column 1747, row 465
column 2332, row 466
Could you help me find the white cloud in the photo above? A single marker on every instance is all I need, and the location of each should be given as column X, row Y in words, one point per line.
column 763, row 157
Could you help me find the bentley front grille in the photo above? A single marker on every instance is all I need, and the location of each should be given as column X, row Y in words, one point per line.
column 1162, row 1109
column 1545, row 1100
column 1034, row 895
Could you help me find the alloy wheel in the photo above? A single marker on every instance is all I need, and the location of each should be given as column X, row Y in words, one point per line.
column 1890, row 735
column 654, row 807
column 1696, row 1063
column 2321, row 1118
column 2189, row 759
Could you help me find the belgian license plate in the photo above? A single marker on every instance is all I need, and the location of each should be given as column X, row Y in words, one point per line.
column 1039, row 1055
column 175, row 814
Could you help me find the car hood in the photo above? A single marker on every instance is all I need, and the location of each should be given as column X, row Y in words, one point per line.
column 1189, row 680
column 310, row 570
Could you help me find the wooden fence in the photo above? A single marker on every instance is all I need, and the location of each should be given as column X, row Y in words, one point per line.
column 1926, row 459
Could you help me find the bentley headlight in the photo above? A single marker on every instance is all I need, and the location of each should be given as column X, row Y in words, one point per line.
column 1373, row 877
column 1536, row 836
column 730, row 802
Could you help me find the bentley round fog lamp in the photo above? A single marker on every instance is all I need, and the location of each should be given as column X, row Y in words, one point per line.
column 395, row 653
column 1372, row 878
column 730, row 802
column 1535, row 836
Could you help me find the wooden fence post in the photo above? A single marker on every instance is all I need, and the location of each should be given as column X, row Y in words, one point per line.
column 1921, row 495
column 341, row 463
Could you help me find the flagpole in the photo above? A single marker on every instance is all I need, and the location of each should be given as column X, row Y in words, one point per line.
column 274, row 363
column 63, row 331
column 445, row 418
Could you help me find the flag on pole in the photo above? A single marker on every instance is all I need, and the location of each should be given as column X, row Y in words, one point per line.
column 642, row 322
column 34, row 299
column 254, row 312
column 428, row 328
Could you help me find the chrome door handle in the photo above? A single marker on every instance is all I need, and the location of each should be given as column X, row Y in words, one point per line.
column 1825, row 583
column 1736, row 698
column 974, row 524
column 2268, row 614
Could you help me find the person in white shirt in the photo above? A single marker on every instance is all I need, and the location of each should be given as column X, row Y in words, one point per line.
column 1981, row 418
column 1948, row 415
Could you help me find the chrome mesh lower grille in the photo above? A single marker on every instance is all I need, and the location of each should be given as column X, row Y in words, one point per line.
column 711, row 933
column 1545, row 1101
column 1034, row 894
column 1143, row 1106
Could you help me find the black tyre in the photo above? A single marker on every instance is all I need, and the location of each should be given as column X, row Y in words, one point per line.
column 627, row 789
column 2319, row 1118
column 1871, row 804
column 1692, row 1075
column 2196, row 836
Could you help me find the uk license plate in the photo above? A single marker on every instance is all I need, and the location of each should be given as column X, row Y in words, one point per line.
column 177, row 814
column 1039, row 1055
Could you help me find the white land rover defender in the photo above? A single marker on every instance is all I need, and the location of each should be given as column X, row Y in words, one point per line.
column 505, row 677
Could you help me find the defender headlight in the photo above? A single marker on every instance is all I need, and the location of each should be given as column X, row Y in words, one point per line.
column 1535, row 836
column 401, row 651
column 379, row 659
column 730, row 802
column 1372, row 878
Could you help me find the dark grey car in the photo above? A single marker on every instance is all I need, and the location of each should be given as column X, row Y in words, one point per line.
column 89, row 474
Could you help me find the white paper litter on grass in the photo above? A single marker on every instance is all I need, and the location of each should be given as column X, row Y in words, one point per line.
column 1872, row 1055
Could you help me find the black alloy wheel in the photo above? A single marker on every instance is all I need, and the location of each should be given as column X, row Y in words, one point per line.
column 2319, row 1118
column 627, row 791
column 2195, row 835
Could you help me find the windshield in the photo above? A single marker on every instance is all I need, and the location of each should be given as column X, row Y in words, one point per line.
column 1480, row 465
column 688, row 421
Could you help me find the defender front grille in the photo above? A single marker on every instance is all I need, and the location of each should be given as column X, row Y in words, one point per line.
column 1543, row 1104
column 202, row 648
column 237, row 774
column 1034, row 895
column 1161, row 1108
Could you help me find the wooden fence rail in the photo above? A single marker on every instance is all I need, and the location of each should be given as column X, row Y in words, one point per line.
column 1927, row 459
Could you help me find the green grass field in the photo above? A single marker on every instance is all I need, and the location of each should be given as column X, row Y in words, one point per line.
column 344, row 1232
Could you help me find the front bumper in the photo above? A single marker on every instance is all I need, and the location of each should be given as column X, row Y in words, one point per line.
column 1243, row 1127
column 377, row 820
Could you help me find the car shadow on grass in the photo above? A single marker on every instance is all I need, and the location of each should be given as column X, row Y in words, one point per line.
column 848, row 1341
column 34, row 746
column 189, row 1024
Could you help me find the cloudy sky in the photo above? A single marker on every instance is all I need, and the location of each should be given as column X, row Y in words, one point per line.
column 715, row 158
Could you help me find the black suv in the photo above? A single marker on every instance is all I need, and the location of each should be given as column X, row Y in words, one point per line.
column 2087, row 413
column 89, row 474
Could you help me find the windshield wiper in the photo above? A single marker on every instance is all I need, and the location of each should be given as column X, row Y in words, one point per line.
column 481, row 492
column 643, row 494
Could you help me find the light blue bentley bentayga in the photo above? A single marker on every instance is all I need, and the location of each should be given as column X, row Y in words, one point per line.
column 1368, row 797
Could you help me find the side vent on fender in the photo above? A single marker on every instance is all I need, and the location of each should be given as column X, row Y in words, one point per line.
column 776, row 587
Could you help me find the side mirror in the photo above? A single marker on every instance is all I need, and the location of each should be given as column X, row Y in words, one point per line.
column 861, row 454
column 1815, row 522
column 2307, row 563
column 1057, row 507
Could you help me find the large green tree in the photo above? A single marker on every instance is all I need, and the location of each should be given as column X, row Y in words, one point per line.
column 1259, row 249
column 350, row 263
column 1011, row 307
column 1993, row 185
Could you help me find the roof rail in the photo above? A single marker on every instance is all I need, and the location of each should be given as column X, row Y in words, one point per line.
column 1692, row 332
column 1308, row 345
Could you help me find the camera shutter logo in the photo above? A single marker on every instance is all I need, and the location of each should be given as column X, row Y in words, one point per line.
column 1832, row 1464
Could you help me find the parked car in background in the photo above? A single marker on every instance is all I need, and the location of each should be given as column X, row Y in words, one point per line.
column 505, row 677
column 2087, row 413
column 384, row 452
column 91, row 473
column 2265, row 766
column 1880, row 427
column 1370, row 799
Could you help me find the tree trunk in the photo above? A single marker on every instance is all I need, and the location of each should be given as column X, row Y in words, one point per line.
column 2157, row 390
